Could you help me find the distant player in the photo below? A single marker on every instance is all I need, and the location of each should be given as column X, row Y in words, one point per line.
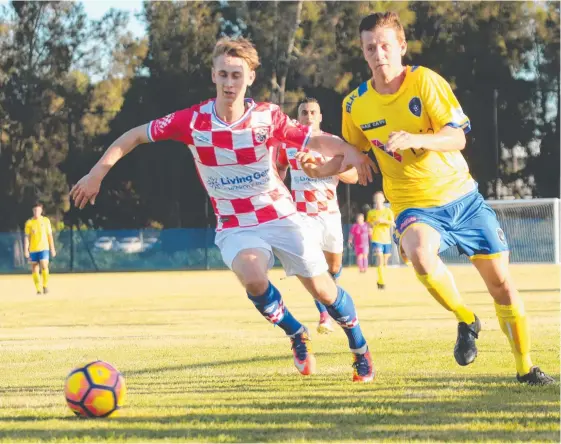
column 411, row 119
column 231, row 139
column 316, row 199
column 37, row 245
column 381, row 219
column 359, row 237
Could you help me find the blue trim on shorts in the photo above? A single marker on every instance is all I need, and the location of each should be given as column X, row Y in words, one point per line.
column 37, row 256
column 385, row 248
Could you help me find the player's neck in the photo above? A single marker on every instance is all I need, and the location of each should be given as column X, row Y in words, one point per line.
column 381, row 207
column 390, row 84
column 230, row 112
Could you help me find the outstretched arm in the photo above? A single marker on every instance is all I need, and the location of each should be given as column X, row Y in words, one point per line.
column 330, row 146
column 88, row 186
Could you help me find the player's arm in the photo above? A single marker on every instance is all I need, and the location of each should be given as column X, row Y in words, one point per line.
column 282, row 161
column 447, row 139
column 26, row 243
column 50, row 239
column 88, row 186
column 349, row 176
column 446, row 116
column 175, row 126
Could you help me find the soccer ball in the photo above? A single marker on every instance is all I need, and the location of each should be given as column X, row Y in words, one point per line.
column 95, row 390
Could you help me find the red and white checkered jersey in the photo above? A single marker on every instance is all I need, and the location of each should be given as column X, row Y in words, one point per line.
column 235, row 160
column 313, row 195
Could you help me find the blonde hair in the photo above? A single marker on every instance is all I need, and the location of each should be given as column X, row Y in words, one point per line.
column 383, row 19
column 237, row 47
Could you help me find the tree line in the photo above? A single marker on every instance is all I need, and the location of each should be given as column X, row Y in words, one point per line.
column 70, row 85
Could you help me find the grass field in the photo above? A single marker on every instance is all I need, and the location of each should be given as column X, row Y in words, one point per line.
column 202, row 365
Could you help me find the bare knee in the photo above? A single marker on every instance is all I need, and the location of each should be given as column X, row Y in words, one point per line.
column 502, row 290
column 424, row 261
column 251, row 269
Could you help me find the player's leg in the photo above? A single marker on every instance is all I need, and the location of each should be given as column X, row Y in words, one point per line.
column 512, row 315
column 297, row 249
column 420, row 242
column 45, row 274
column 379, row 255
column 250, row 257
column 482, row 239
column 334, row 267
column 341, row 307
column 35, row 274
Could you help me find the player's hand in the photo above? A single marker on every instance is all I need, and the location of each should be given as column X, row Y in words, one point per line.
column 363, row 164
column 308, row 158
column 85, row 190
column 53, row 253
column 402, row 140
column 26, row 254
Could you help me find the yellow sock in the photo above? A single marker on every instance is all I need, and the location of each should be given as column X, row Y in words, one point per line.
column 442, row 287
column 36, row 280
column 45, row 273
column 512, row 319
column 381, row 274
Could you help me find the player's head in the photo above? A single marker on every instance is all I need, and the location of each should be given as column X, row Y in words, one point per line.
column 37, row 209
column 234, row 61
column 379, row 199
column 383, row 43
column 309, row 113
column 360, row 218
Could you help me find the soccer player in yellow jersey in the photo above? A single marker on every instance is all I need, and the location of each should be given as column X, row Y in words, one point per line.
column 38, row 242
column 381, row 218
column 409, row 117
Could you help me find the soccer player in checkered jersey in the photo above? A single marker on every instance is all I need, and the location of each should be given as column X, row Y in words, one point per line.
column 316, row 199
column 230, row 138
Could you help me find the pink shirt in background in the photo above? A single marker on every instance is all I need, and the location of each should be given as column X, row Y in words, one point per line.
column 360, row 235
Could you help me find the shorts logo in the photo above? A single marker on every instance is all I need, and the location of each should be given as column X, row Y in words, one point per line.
column 373, row 125
column 408, row 221
column 501, row 236
column 261, row 135
column 415, row 106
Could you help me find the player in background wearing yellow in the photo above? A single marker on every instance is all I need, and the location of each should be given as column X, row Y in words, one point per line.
column 37, row 244
column 381, row 219
column 410, row 118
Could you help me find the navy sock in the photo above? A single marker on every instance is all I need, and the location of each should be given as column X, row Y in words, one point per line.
column 344, row 313
column 321, row 308
column 271, row 306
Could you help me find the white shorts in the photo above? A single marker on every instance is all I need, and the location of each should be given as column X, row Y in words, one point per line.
column 330, row 231
column 291, row 239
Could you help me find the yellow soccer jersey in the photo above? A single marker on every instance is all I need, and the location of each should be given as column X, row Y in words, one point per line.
column 380, row 231
column 38, row 230
column 424, row 104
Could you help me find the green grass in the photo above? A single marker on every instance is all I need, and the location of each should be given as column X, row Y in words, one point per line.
column 202, row 365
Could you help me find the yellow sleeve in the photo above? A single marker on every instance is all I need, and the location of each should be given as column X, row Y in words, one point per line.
column 390, row 215
column 369, row 217
column 49, row 227
column 351, row 133
column 441, row 104
column 28, row 228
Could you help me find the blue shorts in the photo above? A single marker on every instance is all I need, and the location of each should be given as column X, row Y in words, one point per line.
column 467, row 222
column 39, row 256
column 384, row 248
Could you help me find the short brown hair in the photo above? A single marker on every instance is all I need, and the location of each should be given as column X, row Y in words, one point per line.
column 382, row 19
column 38, row 204
column 237, row 47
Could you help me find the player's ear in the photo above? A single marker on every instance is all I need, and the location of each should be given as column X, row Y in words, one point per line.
column 320, row 117
column 251, row 77
column 213, row 74
column 403, row 48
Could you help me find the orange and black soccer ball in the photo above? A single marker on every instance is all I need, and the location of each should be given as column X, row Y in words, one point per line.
column 96, row 390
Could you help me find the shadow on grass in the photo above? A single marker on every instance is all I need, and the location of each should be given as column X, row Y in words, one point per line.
column 476, row 408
